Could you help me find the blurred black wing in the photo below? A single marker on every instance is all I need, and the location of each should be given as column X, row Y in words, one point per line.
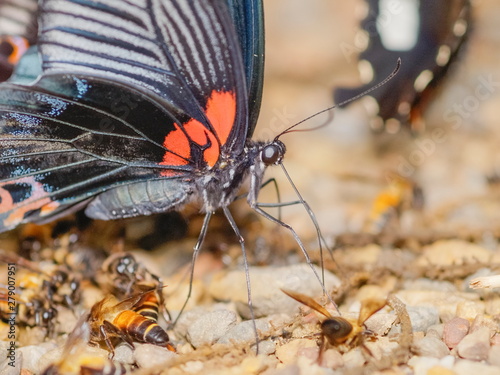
column 441, row 30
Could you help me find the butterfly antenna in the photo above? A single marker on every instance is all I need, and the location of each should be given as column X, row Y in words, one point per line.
column 291, row 128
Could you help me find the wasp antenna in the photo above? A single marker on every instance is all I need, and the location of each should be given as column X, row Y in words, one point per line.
column 345, row 102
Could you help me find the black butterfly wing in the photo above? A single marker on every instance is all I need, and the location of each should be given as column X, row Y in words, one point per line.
column 248, row 17
column 441, row 32
column 160, row 99
column 72, row 139
column 183, row 51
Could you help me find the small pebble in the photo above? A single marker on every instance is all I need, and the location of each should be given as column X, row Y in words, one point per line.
column 332, row 359
column 267, row 298
column 381, row 347
column 257, row 364
column 436, row 331
column 476, row 345
column 445, row 302
column 267, row 347
column 33, row 353
column 421, row 365
column 495, row 340
column 470, row 309
column 192, row 367
column 465, row 367
column 431, row 346
column 210, row 327
column 6, row 367
column 124, row 354
column 292, row 369
column 288, row 353
column 311, row 353
column 49, row 358
column 452, row 252
column 376, row 292
column 422, row 317
column 492, row 306
column 454, row 331
column 494, row 355
column 147, row 355
column 366, row 256
column 440, row 370
column 177, row 296
column 354, row 358
column 55, row 356
column 380, row 323
column 244, row 332
column 188, row 318
column 483, row 321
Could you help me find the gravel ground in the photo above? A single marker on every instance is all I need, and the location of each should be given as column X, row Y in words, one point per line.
column 419, row 260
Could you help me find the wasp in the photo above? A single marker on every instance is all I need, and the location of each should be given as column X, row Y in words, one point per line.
column 79, row 358
column 132, row 319
column 338, row 330
column 41, row 289
column 56, row 283
column 125, row 273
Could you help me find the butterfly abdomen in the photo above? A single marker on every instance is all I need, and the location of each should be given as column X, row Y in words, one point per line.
column 140, row 198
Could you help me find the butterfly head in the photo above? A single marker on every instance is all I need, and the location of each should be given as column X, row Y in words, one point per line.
column 273, row 153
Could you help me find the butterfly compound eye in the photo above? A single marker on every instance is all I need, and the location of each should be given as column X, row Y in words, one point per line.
column 273, row 153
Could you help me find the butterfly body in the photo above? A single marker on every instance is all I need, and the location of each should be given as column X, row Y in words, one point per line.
column 211, row 189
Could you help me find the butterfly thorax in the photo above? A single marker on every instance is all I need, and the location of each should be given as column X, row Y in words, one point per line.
column 219, row 186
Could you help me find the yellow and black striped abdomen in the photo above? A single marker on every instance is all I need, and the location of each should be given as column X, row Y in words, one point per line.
column 148, row 306
column 140, row 328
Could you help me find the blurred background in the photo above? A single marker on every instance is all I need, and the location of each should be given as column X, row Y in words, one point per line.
column 344, row 168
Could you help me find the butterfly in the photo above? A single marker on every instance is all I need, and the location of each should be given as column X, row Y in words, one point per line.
column 142, row 107
column 428, row 35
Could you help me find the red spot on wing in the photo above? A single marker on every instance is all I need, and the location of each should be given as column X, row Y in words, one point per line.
column 177, row 142
column 16, row 211
column 221, row 113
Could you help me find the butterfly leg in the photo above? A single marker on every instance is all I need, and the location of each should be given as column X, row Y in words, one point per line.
column 278, row 197
column 241, row 240
column 196, row 251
